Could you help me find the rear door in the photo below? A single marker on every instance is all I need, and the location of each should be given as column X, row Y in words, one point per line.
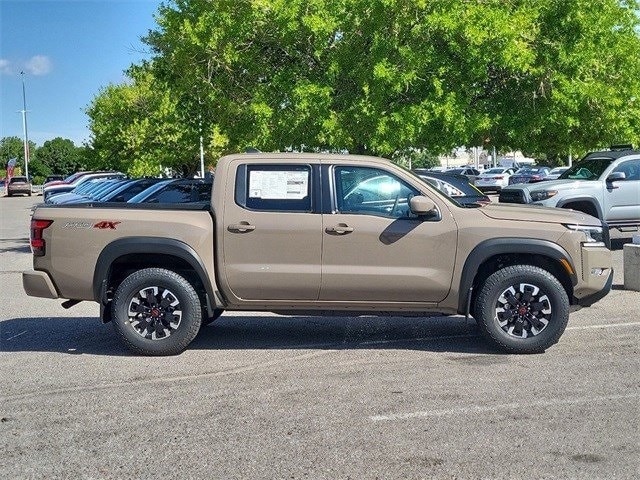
column 272, row 231
column 374, row 249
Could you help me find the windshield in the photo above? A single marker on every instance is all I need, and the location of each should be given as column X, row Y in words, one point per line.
column 442, row 188
column 495, row 170
column 588, row 169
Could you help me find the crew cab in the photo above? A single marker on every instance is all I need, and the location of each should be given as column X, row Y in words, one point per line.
column 299, row 233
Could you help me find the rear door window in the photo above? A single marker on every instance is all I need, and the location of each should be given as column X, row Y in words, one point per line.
column 276, row 188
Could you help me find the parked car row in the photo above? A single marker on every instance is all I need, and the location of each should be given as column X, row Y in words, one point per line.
column 110, row 188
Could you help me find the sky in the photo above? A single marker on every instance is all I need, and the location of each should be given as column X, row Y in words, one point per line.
column 68, row 50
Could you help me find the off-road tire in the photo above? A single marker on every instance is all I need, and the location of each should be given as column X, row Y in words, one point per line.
column 179, row 290
column 488, row 302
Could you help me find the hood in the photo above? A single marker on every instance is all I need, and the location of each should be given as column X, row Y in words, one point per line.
column 55, row 182
column 536, row 213
column 550, row 185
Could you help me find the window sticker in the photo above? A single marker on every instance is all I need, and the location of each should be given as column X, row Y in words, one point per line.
column 278, row 185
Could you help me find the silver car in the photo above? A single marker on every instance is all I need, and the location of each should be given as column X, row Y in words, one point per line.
column 603, row 184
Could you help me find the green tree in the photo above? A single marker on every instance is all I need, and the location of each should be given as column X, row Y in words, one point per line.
column 381, row 76
column 60, row 156
column 137, row 128
column 38, row 171
column 13, row 147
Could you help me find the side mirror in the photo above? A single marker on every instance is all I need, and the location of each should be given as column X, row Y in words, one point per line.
column 615, row 176
column 421, row 205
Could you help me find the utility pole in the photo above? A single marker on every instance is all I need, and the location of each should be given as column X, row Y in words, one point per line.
column 24, row 128
column 200, row 132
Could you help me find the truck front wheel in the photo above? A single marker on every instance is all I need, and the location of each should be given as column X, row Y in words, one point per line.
column 522, row 309
column 156, row 312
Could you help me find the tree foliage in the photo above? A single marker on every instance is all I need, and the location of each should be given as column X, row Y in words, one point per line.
column 381, row 76
column 137, row 127
column 61, row 156
column 374, row 76
column 13, row 147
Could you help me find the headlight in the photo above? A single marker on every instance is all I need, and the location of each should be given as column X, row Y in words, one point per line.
column 593, row 234
column 542, row 195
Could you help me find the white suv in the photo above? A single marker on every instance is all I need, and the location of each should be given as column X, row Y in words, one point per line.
column 603, row 184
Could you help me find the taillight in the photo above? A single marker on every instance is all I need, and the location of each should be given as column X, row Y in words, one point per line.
column 498, row 178
column 37, row 242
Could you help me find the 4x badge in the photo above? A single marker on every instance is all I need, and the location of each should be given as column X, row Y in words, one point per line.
column 104, row 225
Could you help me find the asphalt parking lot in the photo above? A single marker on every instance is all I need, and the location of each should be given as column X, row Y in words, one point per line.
column 267, row 396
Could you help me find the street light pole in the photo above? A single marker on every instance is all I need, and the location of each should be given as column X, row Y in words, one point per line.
column 24, row 128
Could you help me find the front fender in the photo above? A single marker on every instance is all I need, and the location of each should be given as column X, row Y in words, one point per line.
column 501, row 246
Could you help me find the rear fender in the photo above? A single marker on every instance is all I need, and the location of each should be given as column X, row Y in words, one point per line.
column 154, row 246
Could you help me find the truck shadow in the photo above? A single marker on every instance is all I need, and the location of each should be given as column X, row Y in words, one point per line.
column 15, row 245
column 87, row 336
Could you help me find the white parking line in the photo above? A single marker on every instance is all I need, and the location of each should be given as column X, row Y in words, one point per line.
column 503, row 406
column 11, row 338
column 473, row 335
column 605, row 325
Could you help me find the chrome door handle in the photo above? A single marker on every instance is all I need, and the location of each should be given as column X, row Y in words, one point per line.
column 241, row 227
column 339, row 229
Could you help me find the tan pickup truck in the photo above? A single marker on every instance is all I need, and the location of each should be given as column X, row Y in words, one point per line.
column 320, row 233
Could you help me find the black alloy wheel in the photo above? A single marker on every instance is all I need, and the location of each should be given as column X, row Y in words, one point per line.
column 156, row 312
column 522, row 309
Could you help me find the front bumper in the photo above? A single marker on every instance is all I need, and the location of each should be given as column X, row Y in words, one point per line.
column 38, row 284
column 597, row 275
column 594, row 297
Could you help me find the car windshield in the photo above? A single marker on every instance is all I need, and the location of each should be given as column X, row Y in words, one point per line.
column 529, row 171
column 457, row 171
column 587, row 169
column 438, row 185
column 495, row 170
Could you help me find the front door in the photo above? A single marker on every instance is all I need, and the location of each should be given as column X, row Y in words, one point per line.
column 622, row 198
column 272, row 233
column 375, row 250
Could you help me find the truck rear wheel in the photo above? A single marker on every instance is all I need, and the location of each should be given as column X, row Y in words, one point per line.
column 522, row 309
column 156, row 312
